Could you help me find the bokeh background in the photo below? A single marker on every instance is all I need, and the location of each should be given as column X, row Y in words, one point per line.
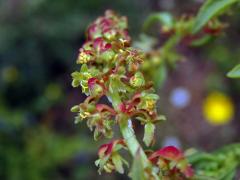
column 39, row 42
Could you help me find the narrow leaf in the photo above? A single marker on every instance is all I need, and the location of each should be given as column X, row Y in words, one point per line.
column 117, row 161
column 235, row 72
column 148, row 133
column 210, row 9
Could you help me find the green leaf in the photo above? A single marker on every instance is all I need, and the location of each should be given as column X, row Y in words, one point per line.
column 235, row 72
column 164, row 18
column 150, row 96
column 137, row 171
column 149, row 129
column 201, row 41
column 84, row 68
column 117, row 161
column 210, row 9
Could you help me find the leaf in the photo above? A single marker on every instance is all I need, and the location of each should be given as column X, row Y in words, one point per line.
column 235, row 72
column 137, row 171
column 149, row 129
column 117, row 161
column 150, row 96
column 164, row 18
column 84, row 68
column 210, row 9
column 201, row 41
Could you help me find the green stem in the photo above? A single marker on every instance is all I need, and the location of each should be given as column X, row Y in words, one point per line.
column 131, row 140
column 128, row 132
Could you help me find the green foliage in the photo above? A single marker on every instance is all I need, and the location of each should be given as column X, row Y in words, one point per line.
column 219, row 165
column 36, row 154
column 235, row 72
column 209, row 10
column 33, row 151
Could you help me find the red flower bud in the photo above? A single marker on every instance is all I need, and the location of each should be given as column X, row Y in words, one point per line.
column 92, row 82
column 100, row 45
column 92, row 30
column 106, row 23
column 126, row 108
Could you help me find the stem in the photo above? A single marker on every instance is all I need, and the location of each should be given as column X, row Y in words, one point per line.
column 131, row 140
column 128, row 132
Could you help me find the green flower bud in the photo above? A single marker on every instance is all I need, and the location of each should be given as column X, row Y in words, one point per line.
column 84, row 56
column 137, row 80
column 108, row 55
column 75, row 108
column 75, row 83
column 96, row 91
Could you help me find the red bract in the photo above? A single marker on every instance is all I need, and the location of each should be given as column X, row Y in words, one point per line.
column 92, row 82
column 107, row 149
column 129, row 106
column 172, row 154
column 106, row 23
column 126, row 108
column 92, row 29
column 96, row 89
column 105, row 108
column 100, row 45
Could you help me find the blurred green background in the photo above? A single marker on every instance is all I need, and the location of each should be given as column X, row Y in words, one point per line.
column 39, row 42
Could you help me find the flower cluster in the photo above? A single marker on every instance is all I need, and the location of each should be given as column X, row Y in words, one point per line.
column 110, row 67
column 171, row 163
column 109, row 157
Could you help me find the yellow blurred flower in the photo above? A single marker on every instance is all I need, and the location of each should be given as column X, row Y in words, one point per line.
column 218, row 108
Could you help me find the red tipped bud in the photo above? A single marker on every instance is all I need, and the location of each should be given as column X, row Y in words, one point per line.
column 95, row 89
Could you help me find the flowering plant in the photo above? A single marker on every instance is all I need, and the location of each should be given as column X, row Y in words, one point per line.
column 111, row 67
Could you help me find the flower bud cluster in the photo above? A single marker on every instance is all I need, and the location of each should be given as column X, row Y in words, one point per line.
column 111, row 67
column 109, row 157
